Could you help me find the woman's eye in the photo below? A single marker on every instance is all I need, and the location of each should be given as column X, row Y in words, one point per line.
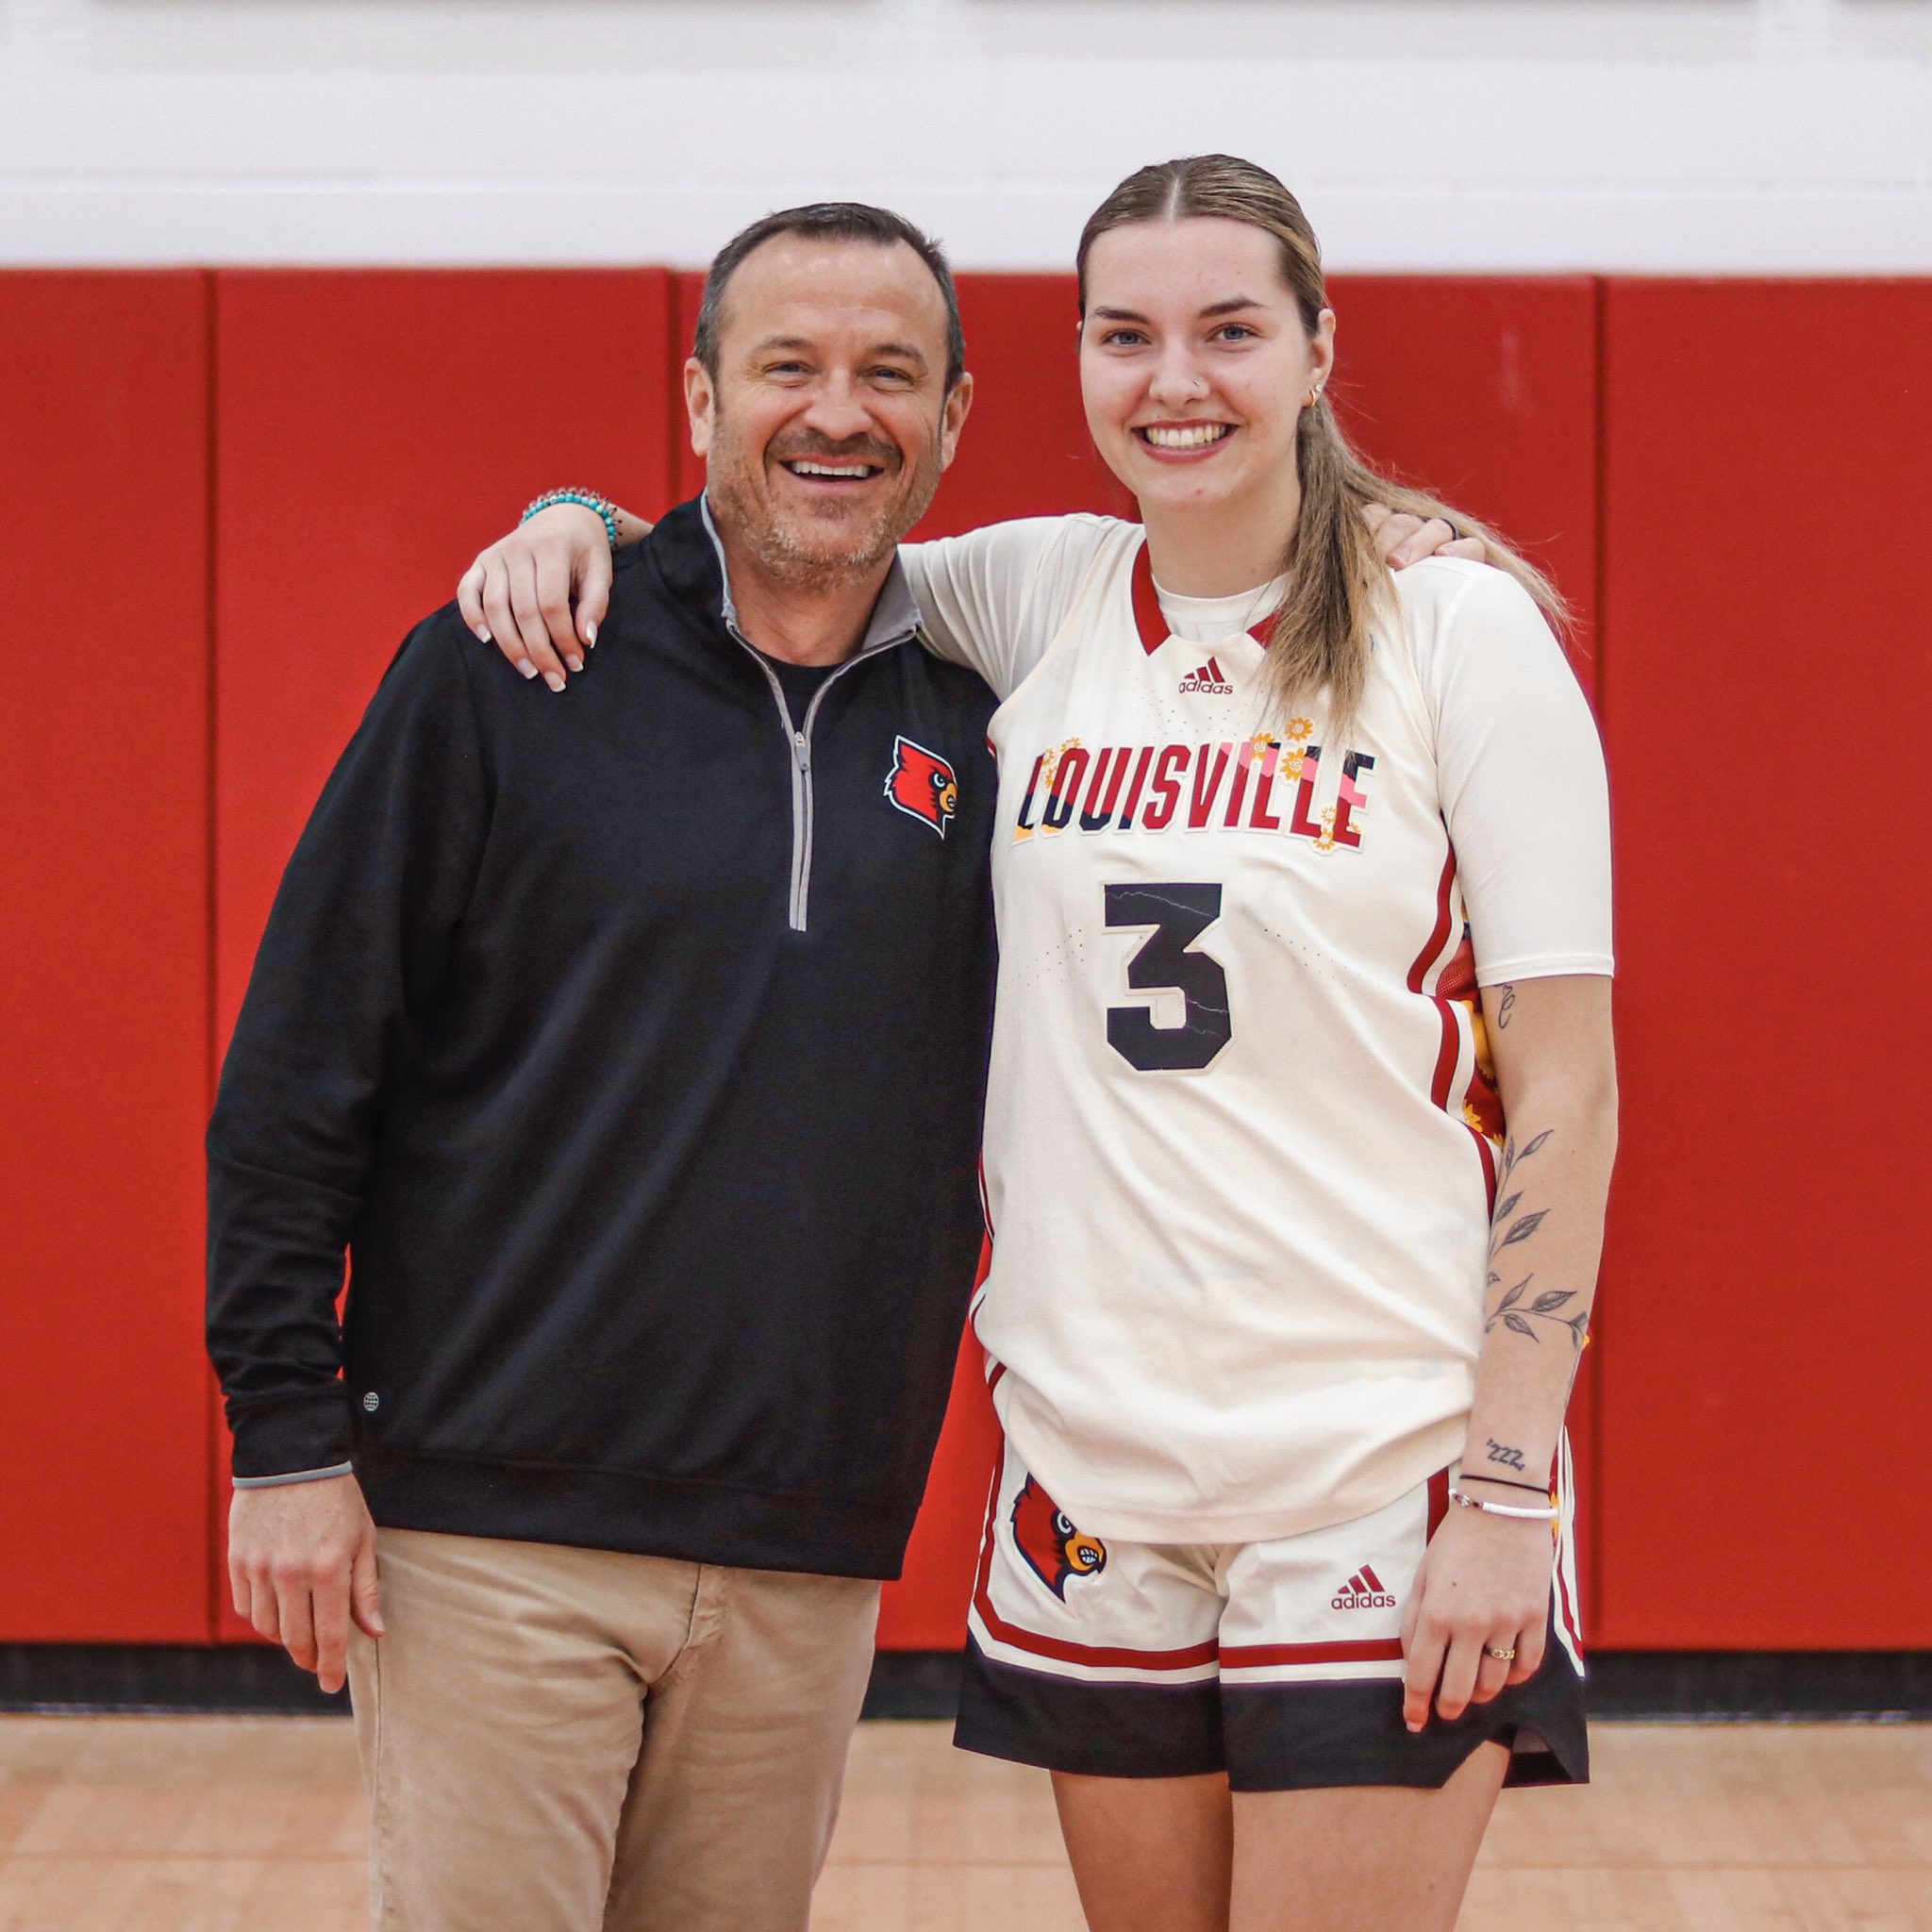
column 1121, row 339
column 1234, row 332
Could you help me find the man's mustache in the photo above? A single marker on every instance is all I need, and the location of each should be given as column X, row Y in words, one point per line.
column 822, row 449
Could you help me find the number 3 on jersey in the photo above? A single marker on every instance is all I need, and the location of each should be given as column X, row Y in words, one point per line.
column 1178, row 915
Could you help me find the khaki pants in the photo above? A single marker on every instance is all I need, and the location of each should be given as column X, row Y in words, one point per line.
column 558, row 1739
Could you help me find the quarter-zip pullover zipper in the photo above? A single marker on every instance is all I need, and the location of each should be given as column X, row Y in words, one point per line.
column 799, row 739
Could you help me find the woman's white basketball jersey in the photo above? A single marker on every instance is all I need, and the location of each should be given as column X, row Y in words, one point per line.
column 1239, row 1147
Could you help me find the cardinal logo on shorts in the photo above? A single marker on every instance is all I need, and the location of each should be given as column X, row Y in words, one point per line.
column 1054, row 1549
column 922, row 785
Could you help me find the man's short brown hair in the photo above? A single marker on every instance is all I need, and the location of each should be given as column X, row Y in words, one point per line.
column 828, row 221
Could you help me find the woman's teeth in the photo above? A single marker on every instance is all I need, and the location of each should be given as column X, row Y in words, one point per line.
column 1192, row 437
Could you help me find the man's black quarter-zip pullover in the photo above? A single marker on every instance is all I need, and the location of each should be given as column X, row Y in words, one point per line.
column 633, row 1041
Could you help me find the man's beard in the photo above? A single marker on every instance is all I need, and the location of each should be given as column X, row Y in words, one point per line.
column 831, row 554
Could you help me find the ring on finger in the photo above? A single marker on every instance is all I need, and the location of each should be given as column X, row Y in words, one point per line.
column 1501, row 1655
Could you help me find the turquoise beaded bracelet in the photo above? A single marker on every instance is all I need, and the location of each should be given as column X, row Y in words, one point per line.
column 588, row 498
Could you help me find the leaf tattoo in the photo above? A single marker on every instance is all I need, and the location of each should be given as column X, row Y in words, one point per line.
column 1524, row 1228
column 1506, row 1233
column 1522, row 1321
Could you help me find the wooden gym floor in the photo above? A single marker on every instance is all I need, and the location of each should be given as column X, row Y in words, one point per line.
column 255, row 1824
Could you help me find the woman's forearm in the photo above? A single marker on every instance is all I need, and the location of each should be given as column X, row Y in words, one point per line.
column 1546, row 1237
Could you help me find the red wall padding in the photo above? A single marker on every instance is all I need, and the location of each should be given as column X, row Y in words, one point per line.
column 1483, row 389
column 1730, row 465
column 374, row 430
column 1766, row 682
column 104, row 1426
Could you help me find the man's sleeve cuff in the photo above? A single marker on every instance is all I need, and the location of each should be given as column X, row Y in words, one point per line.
column 296, row 1475
column 292, row 1437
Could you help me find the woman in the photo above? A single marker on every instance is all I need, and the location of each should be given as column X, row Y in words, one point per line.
column 1281, row 1319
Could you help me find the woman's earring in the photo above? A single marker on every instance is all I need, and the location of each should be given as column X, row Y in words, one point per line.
column 1314, row 396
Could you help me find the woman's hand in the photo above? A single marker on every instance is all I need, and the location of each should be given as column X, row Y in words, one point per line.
column 540, row 593
column 1405, row 540
column 1484, row 1583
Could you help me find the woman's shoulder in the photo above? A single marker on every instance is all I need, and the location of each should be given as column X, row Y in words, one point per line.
column 1453, row 587
column 1453, row 610
column 1023, row 543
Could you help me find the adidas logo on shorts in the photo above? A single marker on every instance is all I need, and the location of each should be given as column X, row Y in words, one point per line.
column 1364, row 1591
column 1209, row 678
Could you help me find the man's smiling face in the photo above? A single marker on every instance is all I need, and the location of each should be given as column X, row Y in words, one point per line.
column 829, row 422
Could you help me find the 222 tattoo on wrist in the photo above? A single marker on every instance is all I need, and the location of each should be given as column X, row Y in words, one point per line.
column 1518, row 1316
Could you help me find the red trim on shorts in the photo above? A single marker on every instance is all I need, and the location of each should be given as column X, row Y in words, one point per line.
column 1564, row 1609
column 1439, row 1500
column 1061, row 1649
column 1358, row 1650
column 1565, row 1494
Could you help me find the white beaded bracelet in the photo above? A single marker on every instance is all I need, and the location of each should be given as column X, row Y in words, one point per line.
column 1521, row 1514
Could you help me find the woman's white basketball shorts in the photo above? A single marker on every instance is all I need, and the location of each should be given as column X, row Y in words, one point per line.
column 1279, row 1663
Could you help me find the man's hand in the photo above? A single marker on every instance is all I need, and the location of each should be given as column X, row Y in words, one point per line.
column 1407, row 539
column 540, row 593
column 301, row 1563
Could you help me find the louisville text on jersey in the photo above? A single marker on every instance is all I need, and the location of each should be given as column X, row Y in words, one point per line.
column 1235, row 785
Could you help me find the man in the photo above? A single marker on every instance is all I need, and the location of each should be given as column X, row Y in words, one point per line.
column 635, row 1044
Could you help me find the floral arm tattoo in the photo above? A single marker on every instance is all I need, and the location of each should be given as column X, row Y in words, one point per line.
column 1506, row 1229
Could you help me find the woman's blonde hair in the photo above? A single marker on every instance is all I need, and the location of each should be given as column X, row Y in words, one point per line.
column 1336, row 575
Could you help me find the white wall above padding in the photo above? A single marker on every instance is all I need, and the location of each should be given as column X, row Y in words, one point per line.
column 1669, row 135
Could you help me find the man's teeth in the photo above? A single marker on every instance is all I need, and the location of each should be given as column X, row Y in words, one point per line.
column 801, row 467
column 1192, row 437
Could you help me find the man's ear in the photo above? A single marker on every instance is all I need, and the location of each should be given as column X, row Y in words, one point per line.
column 700, row 404
column 953, row 419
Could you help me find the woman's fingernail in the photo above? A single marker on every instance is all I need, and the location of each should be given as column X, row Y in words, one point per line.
column 554, row 679
column 575, row 662
column 528, row 668
column 591, row 635
column 483, row 632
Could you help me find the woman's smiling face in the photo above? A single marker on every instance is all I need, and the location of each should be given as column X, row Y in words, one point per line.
column 1194, row 362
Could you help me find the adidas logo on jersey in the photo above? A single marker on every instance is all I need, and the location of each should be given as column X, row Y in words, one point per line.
column 1210, row 679
column 1362, row 1591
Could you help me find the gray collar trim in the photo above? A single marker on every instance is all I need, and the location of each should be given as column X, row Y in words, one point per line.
column 895, row 616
